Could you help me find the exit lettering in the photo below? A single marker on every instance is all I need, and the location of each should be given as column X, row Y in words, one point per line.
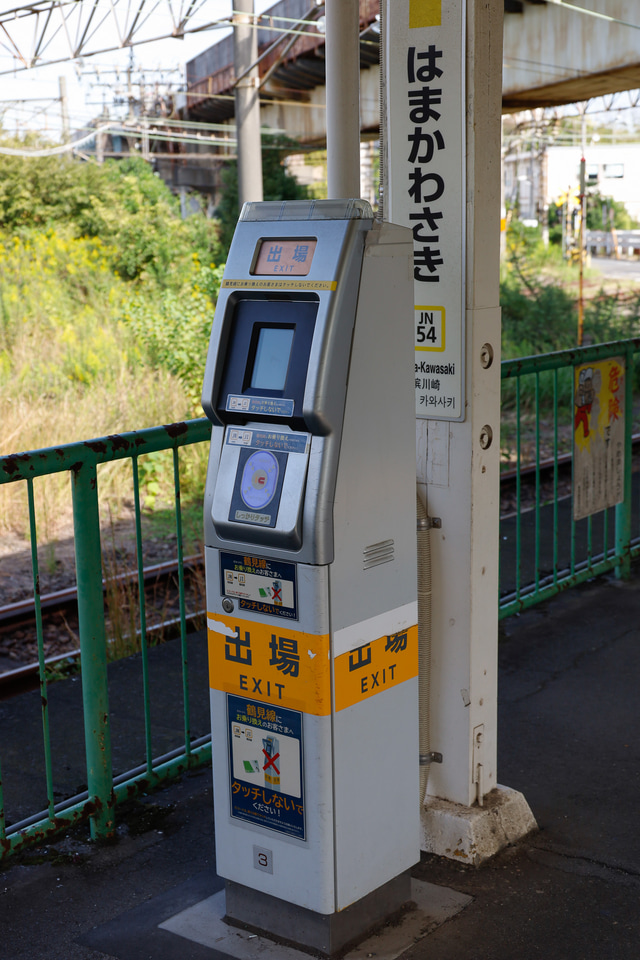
column 257, row 682
column 377, row 679
column 375, row 666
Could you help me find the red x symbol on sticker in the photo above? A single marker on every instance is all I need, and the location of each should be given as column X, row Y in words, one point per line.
column 271, row 761
column 277, row 593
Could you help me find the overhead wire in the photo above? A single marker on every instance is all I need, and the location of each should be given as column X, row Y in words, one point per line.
column 594, row 13
column 155, row 129
column 257, row 23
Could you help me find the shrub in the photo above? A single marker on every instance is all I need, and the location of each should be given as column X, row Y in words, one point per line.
column 277, row 185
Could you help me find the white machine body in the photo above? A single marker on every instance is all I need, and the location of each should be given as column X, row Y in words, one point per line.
column 310, row 547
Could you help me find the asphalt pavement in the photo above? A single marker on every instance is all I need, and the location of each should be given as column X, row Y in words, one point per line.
column 569, row 739
column 613, row 269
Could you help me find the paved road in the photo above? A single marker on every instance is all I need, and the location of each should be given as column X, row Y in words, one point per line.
column 616, row 269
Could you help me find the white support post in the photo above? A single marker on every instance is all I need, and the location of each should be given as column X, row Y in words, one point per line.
column 465, row 816
column 247, row 103
column 343, row 98
column 64, row 109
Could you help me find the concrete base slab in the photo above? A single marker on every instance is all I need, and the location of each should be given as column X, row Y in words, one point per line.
column 473, row 834
column 203, row 924
column 330, row 934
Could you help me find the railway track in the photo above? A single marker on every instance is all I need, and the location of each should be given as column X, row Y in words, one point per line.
column 19, row 618
column 508, row 481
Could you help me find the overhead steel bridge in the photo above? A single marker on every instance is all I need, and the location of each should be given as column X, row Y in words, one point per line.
column 555, row 52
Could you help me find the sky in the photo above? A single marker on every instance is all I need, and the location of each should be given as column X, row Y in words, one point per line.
column 93, row 81
column 87, row 79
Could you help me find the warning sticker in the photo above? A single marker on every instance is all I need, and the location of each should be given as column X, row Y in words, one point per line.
column 376, row 666
column 284, row 667
column 261, row 585
column 279, row 284
column 265, row 406
column 265, row 759
column 268, row 440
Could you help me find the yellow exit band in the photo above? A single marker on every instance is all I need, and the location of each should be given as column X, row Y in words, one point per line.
column 293, row 669
column 277, row 665
column 374, row 667
column 425, row 13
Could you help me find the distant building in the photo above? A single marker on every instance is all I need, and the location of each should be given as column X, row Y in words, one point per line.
column 613, row 169
column 535, row 178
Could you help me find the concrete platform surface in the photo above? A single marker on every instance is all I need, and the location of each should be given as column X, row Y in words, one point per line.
column 569, row 740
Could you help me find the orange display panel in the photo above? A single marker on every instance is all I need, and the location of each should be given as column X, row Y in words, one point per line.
column 290, row 258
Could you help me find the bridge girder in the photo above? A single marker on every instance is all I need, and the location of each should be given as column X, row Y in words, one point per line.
column 554, row 54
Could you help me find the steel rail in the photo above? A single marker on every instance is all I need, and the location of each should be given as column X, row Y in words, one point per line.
column 24, row 610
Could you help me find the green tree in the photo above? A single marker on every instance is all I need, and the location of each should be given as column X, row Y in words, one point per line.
column 122, row 203
column 601, row 210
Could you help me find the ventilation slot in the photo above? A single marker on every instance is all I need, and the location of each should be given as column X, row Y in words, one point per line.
column 378, row 553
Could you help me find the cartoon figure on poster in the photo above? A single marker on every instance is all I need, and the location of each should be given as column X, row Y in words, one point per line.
column 585, row 397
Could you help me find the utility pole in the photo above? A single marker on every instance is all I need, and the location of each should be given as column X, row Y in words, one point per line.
column 583, row 217
column 583, row 206
column 146, row 152
column 343, row 98
column 247, row 103
column 64, row 108
column 130, row 97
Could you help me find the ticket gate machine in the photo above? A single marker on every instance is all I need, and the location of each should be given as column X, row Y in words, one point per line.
column 310, row 543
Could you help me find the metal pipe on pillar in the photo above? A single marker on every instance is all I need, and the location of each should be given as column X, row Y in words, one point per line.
column 247, row 103
column 343, row 97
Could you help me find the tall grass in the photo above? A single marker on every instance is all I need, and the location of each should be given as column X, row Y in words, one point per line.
column 70, row 367
column 538, row 297
column 106, row 304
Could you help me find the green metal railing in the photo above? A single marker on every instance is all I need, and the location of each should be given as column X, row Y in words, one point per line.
column 543, row 550
column 81, row 462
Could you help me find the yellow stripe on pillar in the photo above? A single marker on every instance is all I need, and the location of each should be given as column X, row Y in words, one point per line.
column 425, row 13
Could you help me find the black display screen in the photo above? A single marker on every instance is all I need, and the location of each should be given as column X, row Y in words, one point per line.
column 271, row 362
column 267, row 356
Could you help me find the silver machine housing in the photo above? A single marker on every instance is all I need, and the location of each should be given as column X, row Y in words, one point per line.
column 331, row 654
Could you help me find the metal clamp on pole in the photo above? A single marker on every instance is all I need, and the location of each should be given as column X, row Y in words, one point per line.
column 427, row 523
column 249, row 83
column 432, row 757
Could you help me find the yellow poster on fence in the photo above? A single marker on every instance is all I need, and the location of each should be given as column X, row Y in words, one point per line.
column 598, row 436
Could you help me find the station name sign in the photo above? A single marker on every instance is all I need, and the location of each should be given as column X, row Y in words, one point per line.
column 426, row 159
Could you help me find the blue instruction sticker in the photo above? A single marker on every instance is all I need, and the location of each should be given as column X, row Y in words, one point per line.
column 265, row 765
column 260, row 585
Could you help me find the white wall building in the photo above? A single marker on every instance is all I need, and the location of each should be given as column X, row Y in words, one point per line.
column 536, row 178
column 613, row 169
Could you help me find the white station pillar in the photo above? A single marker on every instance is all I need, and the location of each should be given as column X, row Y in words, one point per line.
column 443, row 64
column 247, row 103
column 343, row 98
